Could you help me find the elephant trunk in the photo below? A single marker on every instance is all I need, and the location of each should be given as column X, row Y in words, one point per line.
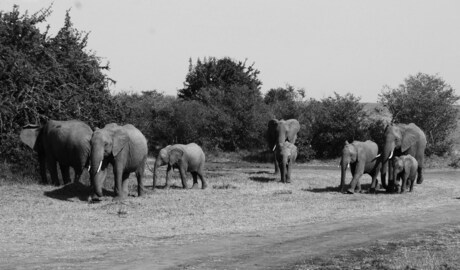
column 283, row 169
column 386, row 163
column 96, row 175
column 157, row 165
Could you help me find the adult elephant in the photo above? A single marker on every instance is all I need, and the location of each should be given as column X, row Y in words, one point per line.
column 125, row 148
column 402, row 139
column 279, row 131
column 362, row 158
column 187, row 158
column 63, row 142
column 286, row 153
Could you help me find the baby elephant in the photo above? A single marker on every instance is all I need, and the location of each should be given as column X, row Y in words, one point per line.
column 405, row 167
column 186, row 158
column 286, row 154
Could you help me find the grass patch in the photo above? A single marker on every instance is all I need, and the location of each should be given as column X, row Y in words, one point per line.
column 431, row 250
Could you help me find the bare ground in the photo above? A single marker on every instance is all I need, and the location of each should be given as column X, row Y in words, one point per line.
column 246, row 221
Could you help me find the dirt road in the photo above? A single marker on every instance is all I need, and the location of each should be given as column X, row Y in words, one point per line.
column 276, row 249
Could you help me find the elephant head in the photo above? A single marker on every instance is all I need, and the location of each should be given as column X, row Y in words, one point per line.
column 349, row 155
column 286, row 153
column 106, row 144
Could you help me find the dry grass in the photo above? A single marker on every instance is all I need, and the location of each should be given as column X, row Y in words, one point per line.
column 47, row 221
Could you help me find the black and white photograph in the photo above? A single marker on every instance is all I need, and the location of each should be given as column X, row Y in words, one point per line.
column 230, row 135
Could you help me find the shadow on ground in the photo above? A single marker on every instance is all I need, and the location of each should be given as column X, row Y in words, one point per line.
column 164, row 187
column 74, row 190
column 260, row 172
column 263, row 179
column 364, row 189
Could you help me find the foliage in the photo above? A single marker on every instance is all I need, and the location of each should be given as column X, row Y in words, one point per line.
column 234, row 115
column 213, row 73
column 336, row 120
column 428, row 101
column 44, row 77
column 284, row 103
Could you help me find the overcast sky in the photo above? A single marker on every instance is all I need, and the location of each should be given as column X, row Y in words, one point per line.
column 322, row 46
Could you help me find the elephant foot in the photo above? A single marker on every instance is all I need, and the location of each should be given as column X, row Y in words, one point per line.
column 204, row 186
column 118, row 198
column 350, row 191
column 420, row 180
column 143, row 192
column 195, row 186
column 94, row 199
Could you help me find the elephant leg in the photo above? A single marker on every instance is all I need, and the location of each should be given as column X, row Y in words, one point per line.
column 277, row 167
column 412, row 184
column 183, row 178
column 78, row 172
column 404, row 182
column 124, row 183
column 65, row 173
column 374, row 183
column 203, row 182
column 52, row 167
column 419, row 175
column 42, row 164
column 167, row 176
column 195, row 180
column 357, row 172
column 391, row 181
column 141, row 190
column 118, row 179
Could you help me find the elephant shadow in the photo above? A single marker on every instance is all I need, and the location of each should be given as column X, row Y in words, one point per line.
column 262, row 179
column 364, row 189
column 174, row 186
column 259, row 172
column 74, row 191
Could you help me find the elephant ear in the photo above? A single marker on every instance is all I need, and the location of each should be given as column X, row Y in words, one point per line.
column 120, row 139
column 354, row 152
column 175, row 155
column 29, row 136
column 409, row 139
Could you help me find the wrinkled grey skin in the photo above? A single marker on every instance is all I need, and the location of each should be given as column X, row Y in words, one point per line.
column 63, row 142
column 186, row 158
column 286, row 153
column 125, row 148
column 405, row 168
column 402, row 139
column 279, row 131
column 362, row 157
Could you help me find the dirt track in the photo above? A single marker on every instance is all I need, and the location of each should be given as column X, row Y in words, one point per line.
column 276, row 249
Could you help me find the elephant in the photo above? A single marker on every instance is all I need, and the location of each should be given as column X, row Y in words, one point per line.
column 362, row 158
column 279, row 131
column 405, row 167
column 402, row 139
column 286, row 153
column 63, row 142
column 187, row 158
column 125, row 148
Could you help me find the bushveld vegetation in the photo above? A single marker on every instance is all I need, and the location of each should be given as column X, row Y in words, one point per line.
column 220, row 107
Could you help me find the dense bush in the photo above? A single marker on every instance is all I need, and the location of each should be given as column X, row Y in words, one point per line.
column 428, row 101
column 44, row 77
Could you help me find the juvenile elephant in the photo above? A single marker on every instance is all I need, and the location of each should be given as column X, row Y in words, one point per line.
column 286, row 153
column 362, row 158
column 186, row 158
column 279, row 131
column 125, row 148
column 402, row 139
column 405, row 167
column 63, row 142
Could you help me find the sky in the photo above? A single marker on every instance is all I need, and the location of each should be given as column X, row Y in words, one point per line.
column 322, row 46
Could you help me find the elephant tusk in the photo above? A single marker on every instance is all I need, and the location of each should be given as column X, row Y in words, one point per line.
column 378, row 155
column 348, row 165
column 100, row 165
column 391, row 155
column 89, row 168
column 274, row 147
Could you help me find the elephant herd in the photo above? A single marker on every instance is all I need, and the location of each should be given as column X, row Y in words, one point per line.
column 402, row 156
column 74, row 144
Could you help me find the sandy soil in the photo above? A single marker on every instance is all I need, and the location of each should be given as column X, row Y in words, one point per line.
column 30, row 245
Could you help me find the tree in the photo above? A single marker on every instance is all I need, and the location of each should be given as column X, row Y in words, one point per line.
column 336, row 119
column 220, row 74
column 428, row 101
column 44, row 77
column 284, row 103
